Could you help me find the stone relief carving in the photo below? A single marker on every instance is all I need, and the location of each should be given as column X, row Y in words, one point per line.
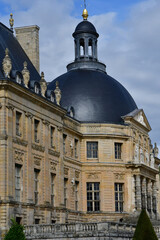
column 45, row 122
column 53, row 166
column 43, row 84
column 92, row 176
column 26, row 74
column 119, row 176
column 147, row 157
column 66, row 170
column 7, row 64
column 18, row 156
column 140, row 118
column 37, row 162
column 77, row 174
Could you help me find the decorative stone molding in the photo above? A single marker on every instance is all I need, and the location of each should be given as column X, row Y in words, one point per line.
column 26, row 74
column 59, row 129
column 20, row 142
column 7, row 64
column 43, row 85
column 10, row 107
column 45, row 122
column 29, row 115
column 53, row 166
column 38, row 147
column 37, row 161
column 53, row 153
column 92, row 176
column 19, row 156
column 139, row 118
column 119, row 176
column 3, row 137
column 57, row 92
column 66, row 171
column 77, row 174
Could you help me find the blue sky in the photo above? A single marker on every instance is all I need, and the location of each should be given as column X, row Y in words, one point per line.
column 129, row 42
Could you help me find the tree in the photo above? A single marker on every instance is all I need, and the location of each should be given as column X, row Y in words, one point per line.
column 144, row 229
column 15, row 232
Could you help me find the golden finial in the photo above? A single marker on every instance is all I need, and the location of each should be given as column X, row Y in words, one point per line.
column 85, row 12
column 11, row 21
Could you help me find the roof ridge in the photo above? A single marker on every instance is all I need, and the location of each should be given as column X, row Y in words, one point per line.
column 4, row 26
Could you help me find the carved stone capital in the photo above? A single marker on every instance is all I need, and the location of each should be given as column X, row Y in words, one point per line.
column 29, row 115
column 10, row 107
column 59, row 129
column 53, row 153
column 45, row 122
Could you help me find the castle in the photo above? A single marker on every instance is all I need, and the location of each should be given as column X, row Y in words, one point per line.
column 75, row 149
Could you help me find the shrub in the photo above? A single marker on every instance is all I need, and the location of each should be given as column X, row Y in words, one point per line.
column 15, row 232
column 144, row 229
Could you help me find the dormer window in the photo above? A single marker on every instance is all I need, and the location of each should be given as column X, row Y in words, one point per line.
column 52, row 97
column 18, row 79
column 36, row 89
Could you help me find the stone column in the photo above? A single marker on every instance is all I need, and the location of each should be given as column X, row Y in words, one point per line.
column 86, row 47
column 149, row 195
column 138, row 193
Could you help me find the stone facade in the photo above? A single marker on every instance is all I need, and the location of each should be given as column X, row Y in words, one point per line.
column 28, row 37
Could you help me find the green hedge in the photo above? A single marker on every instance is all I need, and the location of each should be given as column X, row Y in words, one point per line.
column 144, row 229
column 15, row 232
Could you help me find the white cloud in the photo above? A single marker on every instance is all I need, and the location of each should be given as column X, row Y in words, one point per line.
column 130, row 48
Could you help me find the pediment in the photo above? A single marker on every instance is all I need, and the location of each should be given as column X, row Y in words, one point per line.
column 138, row 116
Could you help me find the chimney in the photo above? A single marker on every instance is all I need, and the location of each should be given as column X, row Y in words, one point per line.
column 28, row 37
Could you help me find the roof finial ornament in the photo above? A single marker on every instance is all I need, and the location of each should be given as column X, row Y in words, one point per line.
column 85, row 12
column 7, row 64
column 58, row 94
column 26, row 74
column 11, row 21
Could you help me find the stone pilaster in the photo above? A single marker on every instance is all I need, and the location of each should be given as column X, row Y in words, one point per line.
column 138, row 193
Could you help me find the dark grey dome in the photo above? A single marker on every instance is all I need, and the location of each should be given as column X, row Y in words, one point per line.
column 85, row 27
column 94, row 96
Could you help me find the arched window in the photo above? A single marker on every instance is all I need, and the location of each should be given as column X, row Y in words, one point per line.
column 52, row 97
column 18, row 79
column 82, row 50
column 36, row 88
column 90, row 48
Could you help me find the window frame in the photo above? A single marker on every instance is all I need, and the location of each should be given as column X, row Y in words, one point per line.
column 93, row 204
column 18, row 123
column 65, row 191
column 52, row 131
column 119, row 203
column 36, row 186
column 53, row 189
column 118, row 150
column 36, row 130
column 18, row 182
column 93, row 154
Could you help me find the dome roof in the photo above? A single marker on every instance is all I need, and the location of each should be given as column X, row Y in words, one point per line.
column 95, row 96
column 85, row 27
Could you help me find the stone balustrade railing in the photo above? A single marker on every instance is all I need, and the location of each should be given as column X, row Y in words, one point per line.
column 46, row 231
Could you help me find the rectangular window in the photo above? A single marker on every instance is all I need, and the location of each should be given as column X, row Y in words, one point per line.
column 119, row 195
column 76, row 148
column 118, row 150
column 18, row 123
column 64, row 143
column 154, row 204
column 92, row 149
column 52, row 188
column 36, row 185
column 76, row 195
column 18, row 182
column 36, row 128
column 37, row 221
column 65, row 192
column 93, row 197
column 52, row 137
